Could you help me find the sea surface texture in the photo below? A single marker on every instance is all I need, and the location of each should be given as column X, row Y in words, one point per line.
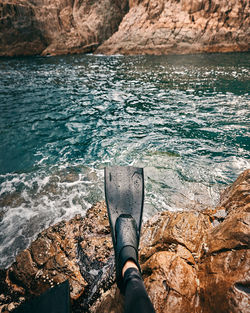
column 185, row 119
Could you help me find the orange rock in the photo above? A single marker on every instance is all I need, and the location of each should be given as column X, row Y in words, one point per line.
column 121, row 26
column 188, row 264
column 224, row 282
column 181, row 27
column 191, row 266
column 236, row 196
column 171, row 284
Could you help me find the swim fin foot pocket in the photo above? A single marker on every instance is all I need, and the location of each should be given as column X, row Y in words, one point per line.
column 124, row 193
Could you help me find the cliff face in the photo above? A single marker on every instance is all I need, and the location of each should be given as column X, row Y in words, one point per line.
column 19, row 34
column 29, row 27
column 182, row 26
column 191, row 261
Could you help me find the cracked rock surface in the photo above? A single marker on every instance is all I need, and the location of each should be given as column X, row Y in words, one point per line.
column 30, row 27
column 189, row 262
column 190, row 265
column 181, row 27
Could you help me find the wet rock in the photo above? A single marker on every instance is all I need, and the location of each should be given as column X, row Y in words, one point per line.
column 232, row 233
column 237, row 196
column 188, row 265
column 224, row 282
column 172, row 282
column 181, row 232
column 79, row 250
column 224, row 271
column 181, row 27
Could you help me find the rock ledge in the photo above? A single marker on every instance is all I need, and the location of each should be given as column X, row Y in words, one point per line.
column 191, row 261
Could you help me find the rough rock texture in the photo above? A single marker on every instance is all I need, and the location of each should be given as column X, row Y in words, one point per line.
column 196, row 262
column 79, row 250
column 191, row 261
column 182, row 26
column 46, row 27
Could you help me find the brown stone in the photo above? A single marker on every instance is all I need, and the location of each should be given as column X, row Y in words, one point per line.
column 237, row 196
column 171, row 284
column 121, row 26
column 42, row 250
column 189, row 263
column 76, row 250
column 19, row 33
column 181, row 27
column 232, row 233
column 182, row 233
column 57, row 27
column 224, row 282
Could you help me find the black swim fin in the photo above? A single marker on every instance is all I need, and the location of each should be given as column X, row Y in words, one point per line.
column 54, row 300
column 124, row 192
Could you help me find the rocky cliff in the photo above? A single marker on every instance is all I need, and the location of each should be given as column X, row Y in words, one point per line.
column 191, row 261
column 182, row 27
column 46, row 27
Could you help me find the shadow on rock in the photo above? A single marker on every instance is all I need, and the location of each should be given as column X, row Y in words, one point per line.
column 191, row 261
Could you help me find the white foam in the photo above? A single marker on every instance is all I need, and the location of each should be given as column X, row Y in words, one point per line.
column 36, row 202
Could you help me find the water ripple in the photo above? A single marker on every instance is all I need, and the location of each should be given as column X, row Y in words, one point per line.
column 185, row 119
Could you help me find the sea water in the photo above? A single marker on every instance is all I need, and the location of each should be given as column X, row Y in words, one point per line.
column 185, row 119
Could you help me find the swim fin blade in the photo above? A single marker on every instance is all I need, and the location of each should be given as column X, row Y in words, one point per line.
column 54, row 300
column 124, row 192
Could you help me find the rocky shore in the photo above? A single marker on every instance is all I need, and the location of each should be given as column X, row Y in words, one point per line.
column 191, row 261
column 44, row 27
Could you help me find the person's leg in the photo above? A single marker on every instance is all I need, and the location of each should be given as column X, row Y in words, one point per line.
column 128, row 276
column 136, row 297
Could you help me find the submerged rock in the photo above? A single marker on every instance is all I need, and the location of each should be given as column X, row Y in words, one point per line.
column 188, row 264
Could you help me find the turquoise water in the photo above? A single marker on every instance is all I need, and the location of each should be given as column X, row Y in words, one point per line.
column 185, row 119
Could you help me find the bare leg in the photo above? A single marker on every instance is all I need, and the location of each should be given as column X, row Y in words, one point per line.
column 127, row 265
column 136, row 297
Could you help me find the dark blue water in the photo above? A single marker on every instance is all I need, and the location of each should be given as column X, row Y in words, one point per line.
column 185, row 119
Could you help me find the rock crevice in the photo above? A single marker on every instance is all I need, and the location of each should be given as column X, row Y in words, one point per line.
column 129, row 27
column 189, row 263
column 163, row 27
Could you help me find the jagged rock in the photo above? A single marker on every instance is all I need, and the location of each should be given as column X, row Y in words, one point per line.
column 29, row 27
column 181, row 27
column 236, row 196
column 188, row 264
column 57, row 27
column 224, row 270
column 19, row 33
column 79, row 250
column 191, row 266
